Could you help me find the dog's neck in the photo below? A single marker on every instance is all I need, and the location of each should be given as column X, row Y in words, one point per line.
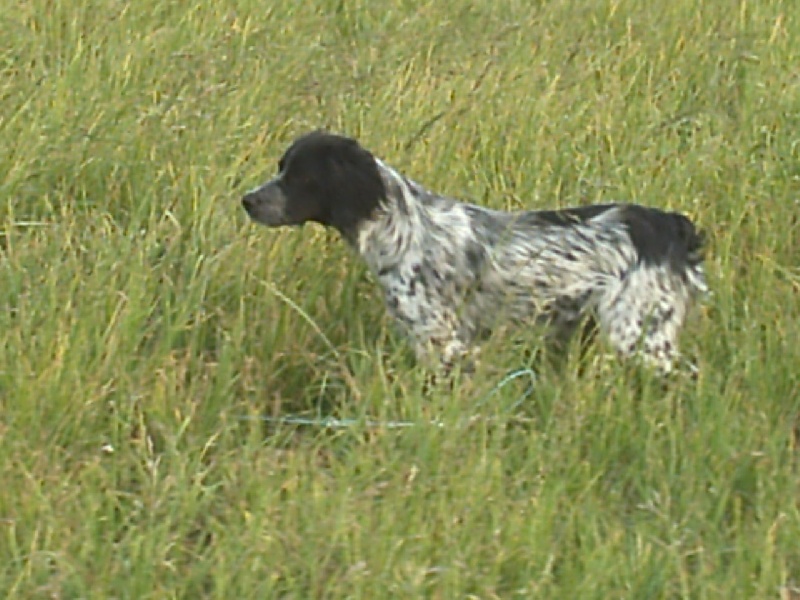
column 397, row 228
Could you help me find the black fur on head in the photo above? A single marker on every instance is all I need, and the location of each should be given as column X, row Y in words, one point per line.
column 324, row 178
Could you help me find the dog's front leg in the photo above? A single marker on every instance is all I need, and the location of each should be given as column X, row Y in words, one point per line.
column 447, row 352
column 438, row 336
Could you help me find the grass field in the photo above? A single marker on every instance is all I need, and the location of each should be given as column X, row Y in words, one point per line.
column 147, row 325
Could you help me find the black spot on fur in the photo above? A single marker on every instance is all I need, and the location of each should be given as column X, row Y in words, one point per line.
column 392, row 301
column 570, row 216
column 416, row 279
column 658, row 236
column 476, row 255
column 663, row 237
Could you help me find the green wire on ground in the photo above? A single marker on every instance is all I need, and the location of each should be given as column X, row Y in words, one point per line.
column 335, row 423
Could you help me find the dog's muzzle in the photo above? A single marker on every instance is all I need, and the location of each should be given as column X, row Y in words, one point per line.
column 266, row 205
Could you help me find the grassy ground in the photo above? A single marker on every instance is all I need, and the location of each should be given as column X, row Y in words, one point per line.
column 146, row 324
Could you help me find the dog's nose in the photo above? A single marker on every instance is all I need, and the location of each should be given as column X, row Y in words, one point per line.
column 249, row 201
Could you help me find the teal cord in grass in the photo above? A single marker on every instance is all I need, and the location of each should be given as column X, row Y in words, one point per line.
column 334, row 423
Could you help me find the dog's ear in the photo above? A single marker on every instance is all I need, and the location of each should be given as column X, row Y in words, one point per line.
column 354, row 186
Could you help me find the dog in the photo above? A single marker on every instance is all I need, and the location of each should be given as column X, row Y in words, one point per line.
column 452, row 272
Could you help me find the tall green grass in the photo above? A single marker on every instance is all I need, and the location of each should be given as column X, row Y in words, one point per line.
column 146, row 325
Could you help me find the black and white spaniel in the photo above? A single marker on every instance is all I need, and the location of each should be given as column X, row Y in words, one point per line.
column 452, row 271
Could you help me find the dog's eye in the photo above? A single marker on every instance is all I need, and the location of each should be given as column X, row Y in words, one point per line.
column 299, row 177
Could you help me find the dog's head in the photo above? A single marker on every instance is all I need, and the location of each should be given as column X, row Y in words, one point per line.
column 323, row 178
